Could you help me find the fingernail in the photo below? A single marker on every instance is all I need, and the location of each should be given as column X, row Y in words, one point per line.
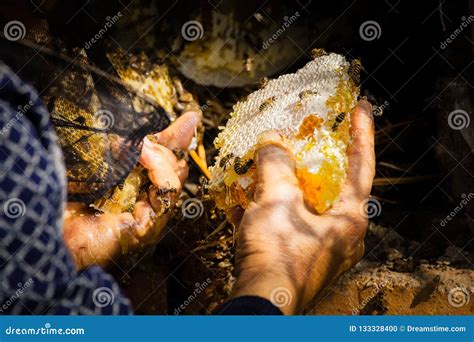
column 268, row 136
column 194, row 117
column 271, row 144
column 366, row 107
column 267, row 150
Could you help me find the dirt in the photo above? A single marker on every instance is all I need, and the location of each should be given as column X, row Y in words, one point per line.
column 401, row 285
column 374, row 289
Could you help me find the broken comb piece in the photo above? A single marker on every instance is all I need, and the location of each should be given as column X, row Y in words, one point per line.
column 311, row 110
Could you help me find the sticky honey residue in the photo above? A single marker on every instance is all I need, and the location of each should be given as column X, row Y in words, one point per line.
column 322, row 183
column 309, row 124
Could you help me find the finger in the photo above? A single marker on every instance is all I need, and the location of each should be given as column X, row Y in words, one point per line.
column 154, row 155
column 146, row 230
column 179, row 165
column 95, row 239
column 152, row 213
column 182, row 171
column 275, row 168
column 165, row 177
column 361, row 154
column 180, row 133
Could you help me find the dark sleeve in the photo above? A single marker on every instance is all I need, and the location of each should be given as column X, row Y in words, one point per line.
column 248, row 305
column 37, row 273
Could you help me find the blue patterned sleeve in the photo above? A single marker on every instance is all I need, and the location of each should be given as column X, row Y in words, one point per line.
column 37, row 273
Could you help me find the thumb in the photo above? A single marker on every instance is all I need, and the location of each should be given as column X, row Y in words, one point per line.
column 361, row 171
column 275, row 168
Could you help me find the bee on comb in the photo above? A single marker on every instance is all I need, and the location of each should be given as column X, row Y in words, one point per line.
column 241, row 167
column 339, row 118
column 263, row 82
column 354, row 71
column 226, row 160
column 316, row 53
column 307, row 93
column 267, row 103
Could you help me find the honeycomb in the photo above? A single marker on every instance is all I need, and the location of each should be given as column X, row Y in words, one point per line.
column 311, row 110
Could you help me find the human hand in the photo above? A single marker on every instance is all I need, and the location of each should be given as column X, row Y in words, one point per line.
column 99, row 238
column 286, row 252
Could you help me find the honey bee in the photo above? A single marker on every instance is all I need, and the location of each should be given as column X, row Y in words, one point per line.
column 80, row 120
column 341, row 116
column 87, row 146
column 263, row 82
column 354, row 71
column 267, row 103
column 84, row 142
column 315, row 53
column 121, row 185
column 225, row 161
column 178, row 86
column 248, row 63
column 180, row 154
column 307, row 93
column 259, row 17
column 241, row 168
column 298, row 105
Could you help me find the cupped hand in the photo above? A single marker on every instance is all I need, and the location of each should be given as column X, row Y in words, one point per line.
column 286, row 252
column 94, row 238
